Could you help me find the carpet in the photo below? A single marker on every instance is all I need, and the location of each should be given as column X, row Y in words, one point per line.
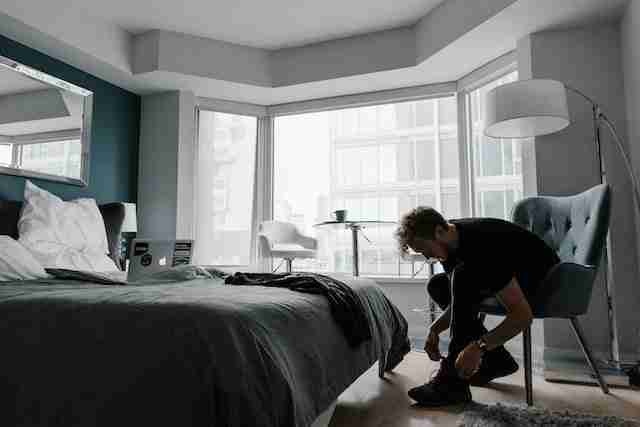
column 477, row 415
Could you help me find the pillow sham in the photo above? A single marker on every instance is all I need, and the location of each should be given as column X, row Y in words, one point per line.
column 17, row 263
column 63, row 234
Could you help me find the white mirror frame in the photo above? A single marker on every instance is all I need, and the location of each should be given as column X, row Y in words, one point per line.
column 85, row 137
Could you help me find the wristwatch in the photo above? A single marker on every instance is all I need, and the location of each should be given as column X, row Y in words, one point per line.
column 482, row 345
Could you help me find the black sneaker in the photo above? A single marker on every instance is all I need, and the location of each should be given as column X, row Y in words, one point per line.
column 497, row 363
column 445, row 388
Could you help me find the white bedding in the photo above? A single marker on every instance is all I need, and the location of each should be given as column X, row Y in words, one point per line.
column 63, row 234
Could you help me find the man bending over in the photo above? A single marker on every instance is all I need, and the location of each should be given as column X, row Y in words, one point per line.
column 482, row 257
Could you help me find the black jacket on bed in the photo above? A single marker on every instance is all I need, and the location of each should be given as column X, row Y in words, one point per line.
column 346, row 307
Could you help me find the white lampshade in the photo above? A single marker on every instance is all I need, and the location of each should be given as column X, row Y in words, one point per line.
column 130, row 223
column 526, row 108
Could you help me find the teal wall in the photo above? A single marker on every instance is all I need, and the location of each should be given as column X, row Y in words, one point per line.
column 114, row 134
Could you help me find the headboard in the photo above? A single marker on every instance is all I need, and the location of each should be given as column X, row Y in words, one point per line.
column 112, row 213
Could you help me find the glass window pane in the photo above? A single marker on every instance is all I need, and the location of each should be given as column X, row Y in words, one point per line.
column 226, row 156
column 447, row 111
column 491, row 157
column 425, row 159
column 404, row 115
column 510, row 201
column 386, row 117
column 405, row 161
column 427, row 199
column 493, row 204
column 424, row 112
column 451, row 205
column 368, row 159
column 367, row 119
column 5, row 154
column 507, row 149
column 56, row 158
column 497, row 163
column 449, row 159
column 349, row 123
column 388, row 163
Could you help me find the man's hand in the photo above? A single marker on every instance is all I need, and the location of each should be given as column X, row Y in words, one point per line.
column 431, row 346
column 468, row 361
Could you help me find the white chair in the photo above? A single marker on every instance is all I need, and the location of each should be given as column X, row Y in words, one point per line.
column 283, row 240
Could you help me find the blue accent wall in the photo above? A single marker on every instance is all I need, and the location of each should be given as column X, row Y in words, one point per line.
column 114, row 135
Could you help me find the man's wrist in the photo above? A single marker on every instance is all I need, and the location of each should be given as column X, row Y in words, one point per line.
column 482, row 345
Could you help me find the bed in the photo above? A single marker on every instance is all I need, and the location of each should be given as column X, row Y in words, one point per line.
column 196, row 352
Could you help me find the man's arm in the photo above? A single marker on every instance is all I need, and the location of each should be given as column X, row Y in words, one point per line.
column 442, row 323
column 519, row 316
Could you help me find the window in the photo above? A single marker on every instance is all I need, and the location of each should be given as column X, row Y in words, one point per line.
column 226, row 158
column 5, row 154
column 54, row 157
column 498, row 180
column 376, row 162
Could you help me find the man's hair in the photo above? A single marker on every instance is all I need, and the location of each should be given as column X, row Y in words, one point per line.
column 419, row 222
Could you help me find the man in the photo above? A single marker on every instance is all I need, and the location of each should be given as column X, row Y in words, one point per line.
column 482, row 257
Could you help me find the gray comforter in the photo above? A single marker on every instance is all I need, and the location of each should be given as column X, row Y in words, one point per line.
column 193, row 353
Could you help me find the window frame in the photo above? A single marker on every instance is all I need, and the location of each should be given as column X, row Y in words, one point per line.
column 240, row 109
column 429, row 92
column 489, row 72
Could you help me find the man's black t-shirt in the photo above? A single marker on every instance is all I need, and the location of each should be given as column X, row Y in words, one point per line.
column 499, row 250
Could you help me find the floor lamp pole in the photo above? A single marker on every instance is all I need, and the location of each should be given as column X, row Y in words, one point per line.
column 614, row 344
column 599, row 118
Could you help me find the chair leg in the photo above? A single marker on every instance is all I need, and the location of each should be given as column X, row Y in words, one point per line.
column 528, row 369
column 289, row 264
column 587, row 353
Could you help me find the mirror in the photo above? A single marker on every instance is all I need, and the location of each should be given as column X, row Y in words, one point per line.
column 45, row 125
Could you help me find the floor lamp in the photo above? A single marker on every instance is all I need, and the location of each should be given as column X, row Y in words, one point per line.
column 529, row 108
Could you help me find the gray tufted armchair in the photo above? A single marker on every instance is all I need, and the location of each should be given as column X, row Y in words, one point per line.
column 576, row 227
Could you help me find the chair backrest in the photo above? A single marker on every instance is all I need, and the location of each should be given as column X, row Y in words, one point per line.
column 278, row 232
column 574, row 226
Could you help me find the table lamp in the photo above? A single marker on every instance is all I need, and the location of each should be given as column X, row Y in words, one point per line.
column 536, row 107
column 128, row 230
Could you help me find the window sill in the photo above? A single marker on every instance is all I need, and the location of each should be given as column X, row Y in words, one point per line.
column 420, row 281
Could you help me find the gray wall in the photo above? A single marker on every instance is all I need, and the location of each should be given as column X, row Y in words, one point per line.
column 589, row 59
column 165, row 184
column 630, row 41
column 157, row 183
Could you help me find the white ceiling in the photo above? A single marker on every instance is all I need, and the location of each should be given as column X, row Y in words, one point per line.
column 266, row 24
column 89, row 35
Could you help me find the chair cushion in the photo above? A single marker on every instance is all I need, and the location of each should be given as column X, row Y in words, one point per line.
column 290, row 250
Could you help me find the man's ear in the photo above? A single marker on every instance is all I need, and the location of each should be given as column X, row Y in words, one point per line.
column 440, row 232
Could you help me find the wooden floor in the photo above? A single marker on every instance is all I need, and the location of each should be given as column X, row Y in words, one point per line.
column 371, row 401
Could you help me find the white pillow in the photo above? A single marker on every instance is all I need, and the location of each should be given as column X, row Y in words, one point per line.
column 16, row 263
column 62, row 234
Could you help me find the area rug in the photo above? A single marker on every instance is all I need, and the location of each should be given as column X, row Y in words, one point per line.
column 477, row 415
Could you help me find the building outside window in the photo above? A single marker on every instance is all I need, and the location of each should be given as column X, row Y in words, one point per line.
column 6, row 153
column 376, row 162
column 55, row 157
column 63, row 158
column 224, row 188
